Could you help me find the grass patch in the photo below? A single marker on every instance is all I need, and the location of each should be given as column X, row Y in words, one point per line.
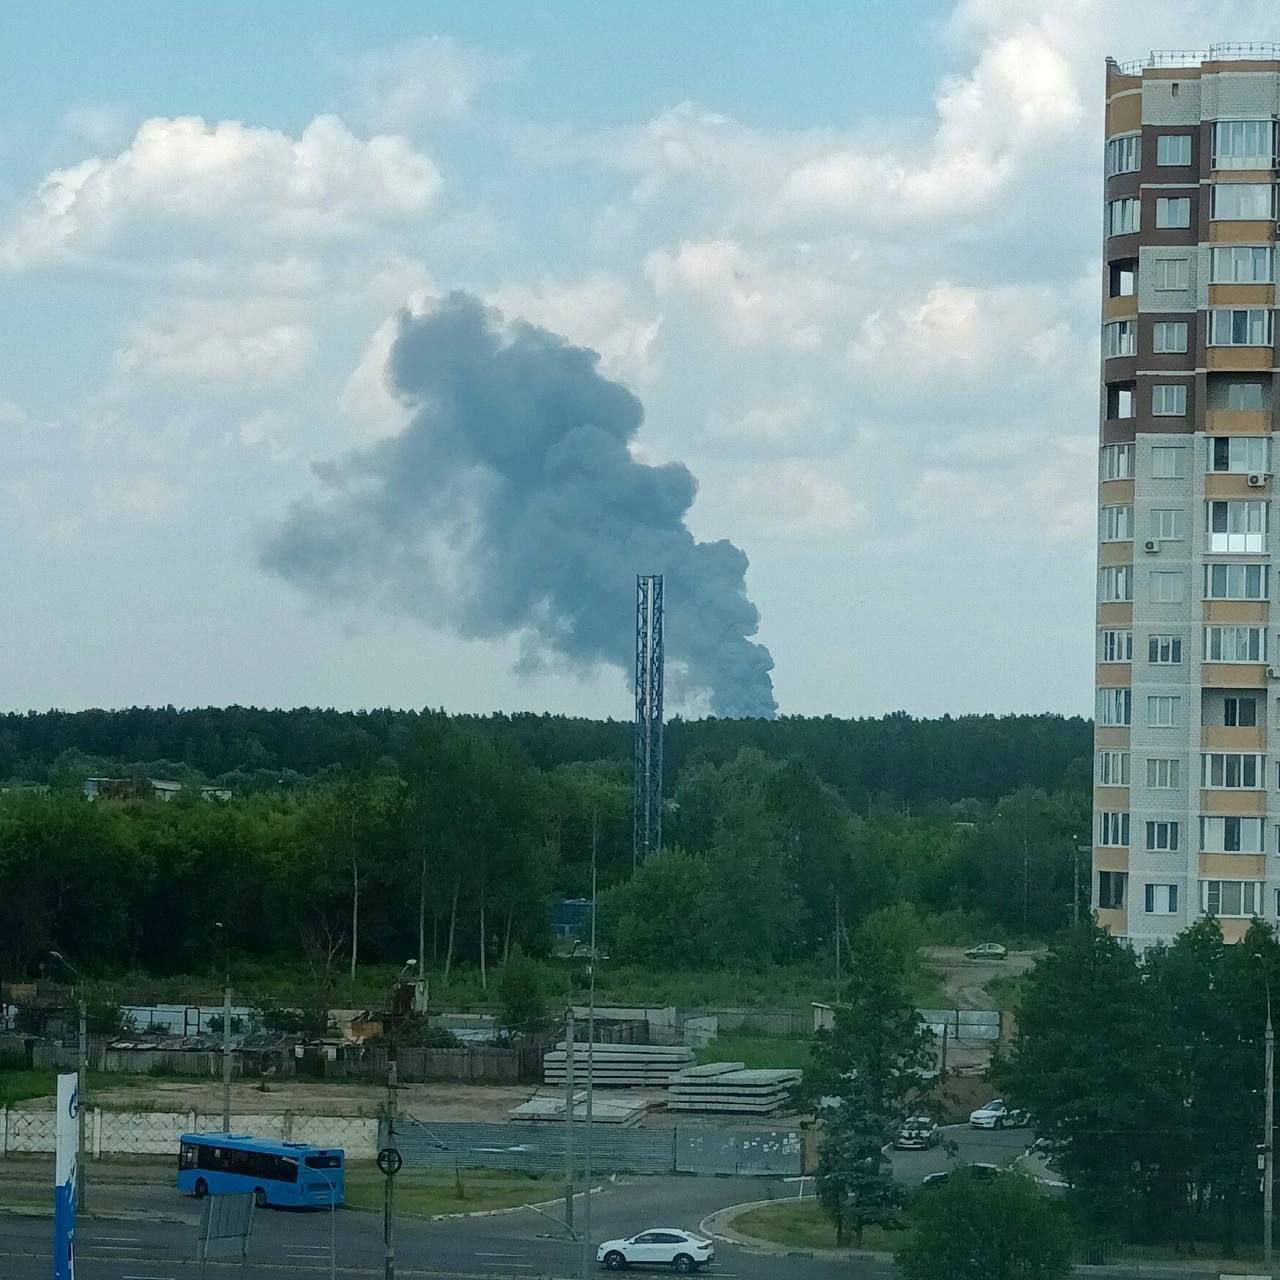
column 1006, row 990
column 20, row 1086
column 420, row 1193
column 757, row 1051
column 802, row 1224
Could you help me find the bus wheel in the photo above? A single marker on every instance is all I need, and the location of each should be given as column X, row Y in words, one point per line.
column 201, row 1188
column 259, row 1198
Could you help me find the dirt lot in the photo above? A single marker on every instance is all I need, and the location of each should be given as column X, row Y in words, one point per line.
column 965, row 981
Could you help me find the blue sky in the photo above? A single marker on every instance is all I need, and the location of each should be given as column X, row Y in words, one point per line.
column 845, row 253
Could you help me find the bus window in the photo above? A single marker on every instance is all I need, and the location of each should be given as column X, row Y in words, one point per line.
column 324, row 1162
column 187, row 1156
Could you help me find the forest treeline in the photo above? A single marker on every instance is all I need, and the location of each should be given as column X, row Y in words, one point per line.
column 452, row 836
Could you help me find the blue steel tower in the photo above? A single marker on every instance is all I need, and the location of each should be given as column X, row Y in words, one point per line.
column 647, row 819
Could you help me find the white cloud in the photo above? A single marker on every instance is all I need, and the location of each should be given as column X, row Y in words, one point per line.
column 193, row 352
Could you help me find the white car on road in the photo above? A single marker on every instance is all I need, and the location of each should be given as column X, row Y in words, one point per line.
column 680, row 1250
column 998, row 1115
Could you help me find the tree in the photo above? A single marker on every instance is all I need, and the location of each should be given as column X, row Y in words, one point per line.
column 521, row 991
column 1003, row 1229
column 665, row 916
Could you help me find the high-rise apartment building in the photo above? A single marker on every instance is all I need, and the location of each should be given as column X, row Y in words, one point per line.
column 1186, row 788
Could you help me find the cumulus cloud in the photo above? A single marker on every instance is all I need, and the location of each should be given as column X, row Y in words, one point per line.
column 195, row 353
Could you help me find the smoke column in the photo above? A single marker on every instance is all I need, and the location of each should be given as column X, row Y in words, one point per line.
column 510, row 503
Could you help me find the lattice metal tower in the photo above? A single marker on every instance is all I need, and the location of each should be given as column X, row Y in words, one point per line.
column 647, row 822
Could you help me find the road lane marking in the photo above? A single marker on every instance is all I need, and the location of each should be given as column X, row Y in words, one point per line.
column 499, row 1255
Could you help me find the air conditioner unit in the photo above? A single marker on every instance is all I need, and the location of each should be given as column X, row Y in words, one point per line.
column 1151, row 546
column 1273, row 673
column 1257, row 479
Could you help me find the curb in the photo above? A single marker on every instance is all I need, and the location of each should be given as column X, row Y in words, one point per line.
column 475, row 1213
column 718, row 1226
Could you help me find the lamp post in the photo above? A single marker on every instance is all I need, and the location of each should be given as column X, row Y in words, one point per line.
column 388, row 1189
column 585, row 1255
column 226, row 1029
column 82, row 1079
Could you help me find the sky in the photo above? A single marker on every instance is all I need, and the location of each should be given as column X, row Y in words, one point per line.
column 845, row 254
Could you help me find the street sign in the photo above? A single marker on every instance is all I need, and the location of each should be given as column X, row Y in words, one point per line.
column 390, row 1161
column 226, row 1223
column 66, row 1142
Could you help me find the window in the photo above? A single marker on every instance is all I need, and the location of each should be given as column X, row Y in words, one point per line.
column 1166, row 588
column 1161, row 899
column 1169, row 273
column 1238, row 453
column 1231, row 771
column 1124, row 155
column 1122, row 278
column 1245, row 395
column 1240, row 327
column 1168, row 336
column 1173, row 211
column 1119, row 338
column 1117, row 462
column 1236, row 526
column 1240, row 264
column 1113, row 768
column 1162, row 775
column 1235, row 644
column 1162, row 836
column 1116, row 646
column 1168, row 461
column 1116, row 524
column 1231, row 835
column 1168, row 400
column 1111, row 887
column 1242, row 201
column 1166, row 524
column 1115, row 583
column 1240, row 712
column 1230, row 897
column 1173, row 148
column 1162, row 711
column 1244, row 144
column 1235, row 582
column 1165, row 651
column 1114, row 706
column 1122, row 216
column 1120, row 399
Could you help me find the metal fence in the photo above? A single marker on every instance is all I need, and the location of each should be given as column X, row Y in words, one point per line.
column 744, row 1151
column 963, row 1024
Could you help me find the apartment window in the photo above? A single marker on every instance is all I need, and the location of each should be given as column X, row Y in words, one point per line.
column 1231, row 835
column 1169, row 337
column 1173, row 149
column 1162, row 774
column 1113, row 768
column 1119, row 338
column 1238, row 453
column 1115, row 706
column 1168, row 400
column 1168, row 462
column 1166, row 524
column 1161, row 899
column 1111, row 887
column 1173, row 211
column 1243, row 201
column 1115, row 583
column 1162, row 836
column 1169, row 273
column 1240, row 264
column 1245, row 395
column 1236, row 526
column 1122, row 216
column 1117, row 462
column 1166, row 588
column 1244, row 144
column 1116, row 524
column 1235, row 582
column 1120, row 399
column 1115, row 646
column 1122, row 278
column 1162, row 711
column 1230, row 897
column 1231, row 771
column 1235, row 644
column 1240, row 712
column 1124, row 155
column 1165, row 651
column 1240, row 327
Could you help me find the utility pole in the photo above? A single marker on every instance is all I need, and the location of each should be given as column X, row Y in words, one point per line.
column 1075, row 880
column 568, row 1119
column 389, row 1182
column 226, row 1059
column 81, row 1087
column 1268, row 1147
column 591, row 1074
column 837, row 943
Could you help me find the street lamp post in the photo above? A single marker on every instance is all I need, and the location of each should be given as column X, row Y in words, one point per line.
column 82, row 1080
column 388, row 1189
column 226, row 1030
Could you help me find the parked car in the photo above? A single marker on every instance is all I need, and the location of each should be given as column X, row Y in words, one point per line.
column 979, row 1169
column 918, row 1133
column 681, row 1250
column 987, row 951
column 998, row 1115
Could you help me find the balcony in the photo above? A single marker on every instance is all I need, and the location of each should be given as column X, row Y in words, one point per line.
column 1251, row 804
column 1239, row 359
column 1237, row 422
column 1230, row 675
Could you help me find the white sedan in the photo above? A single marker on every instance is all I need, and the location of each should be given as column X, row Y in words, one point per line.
column 680, row 1250
column 998, row 1115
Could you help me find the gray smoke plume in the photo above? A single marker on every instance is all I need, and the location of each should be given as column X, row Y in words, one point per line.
column 511, row 504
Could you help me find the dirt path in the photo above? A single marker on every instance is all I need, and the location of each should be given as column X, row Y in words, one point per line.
column 965, row 981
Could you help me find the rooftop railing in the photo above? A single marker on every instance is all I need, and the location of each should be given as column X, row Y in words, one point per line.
column 1263, row 50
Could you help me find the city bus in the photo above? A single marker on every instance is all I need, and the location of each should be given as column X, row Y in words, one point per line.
column 288, row 1174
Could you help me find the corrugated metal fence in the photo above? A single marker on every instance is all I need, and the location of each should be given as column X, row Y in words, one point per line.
column 745, row 1151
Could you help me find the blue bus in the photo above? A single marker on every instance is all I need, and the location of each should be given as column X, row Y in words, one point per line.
column 290, row 1174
